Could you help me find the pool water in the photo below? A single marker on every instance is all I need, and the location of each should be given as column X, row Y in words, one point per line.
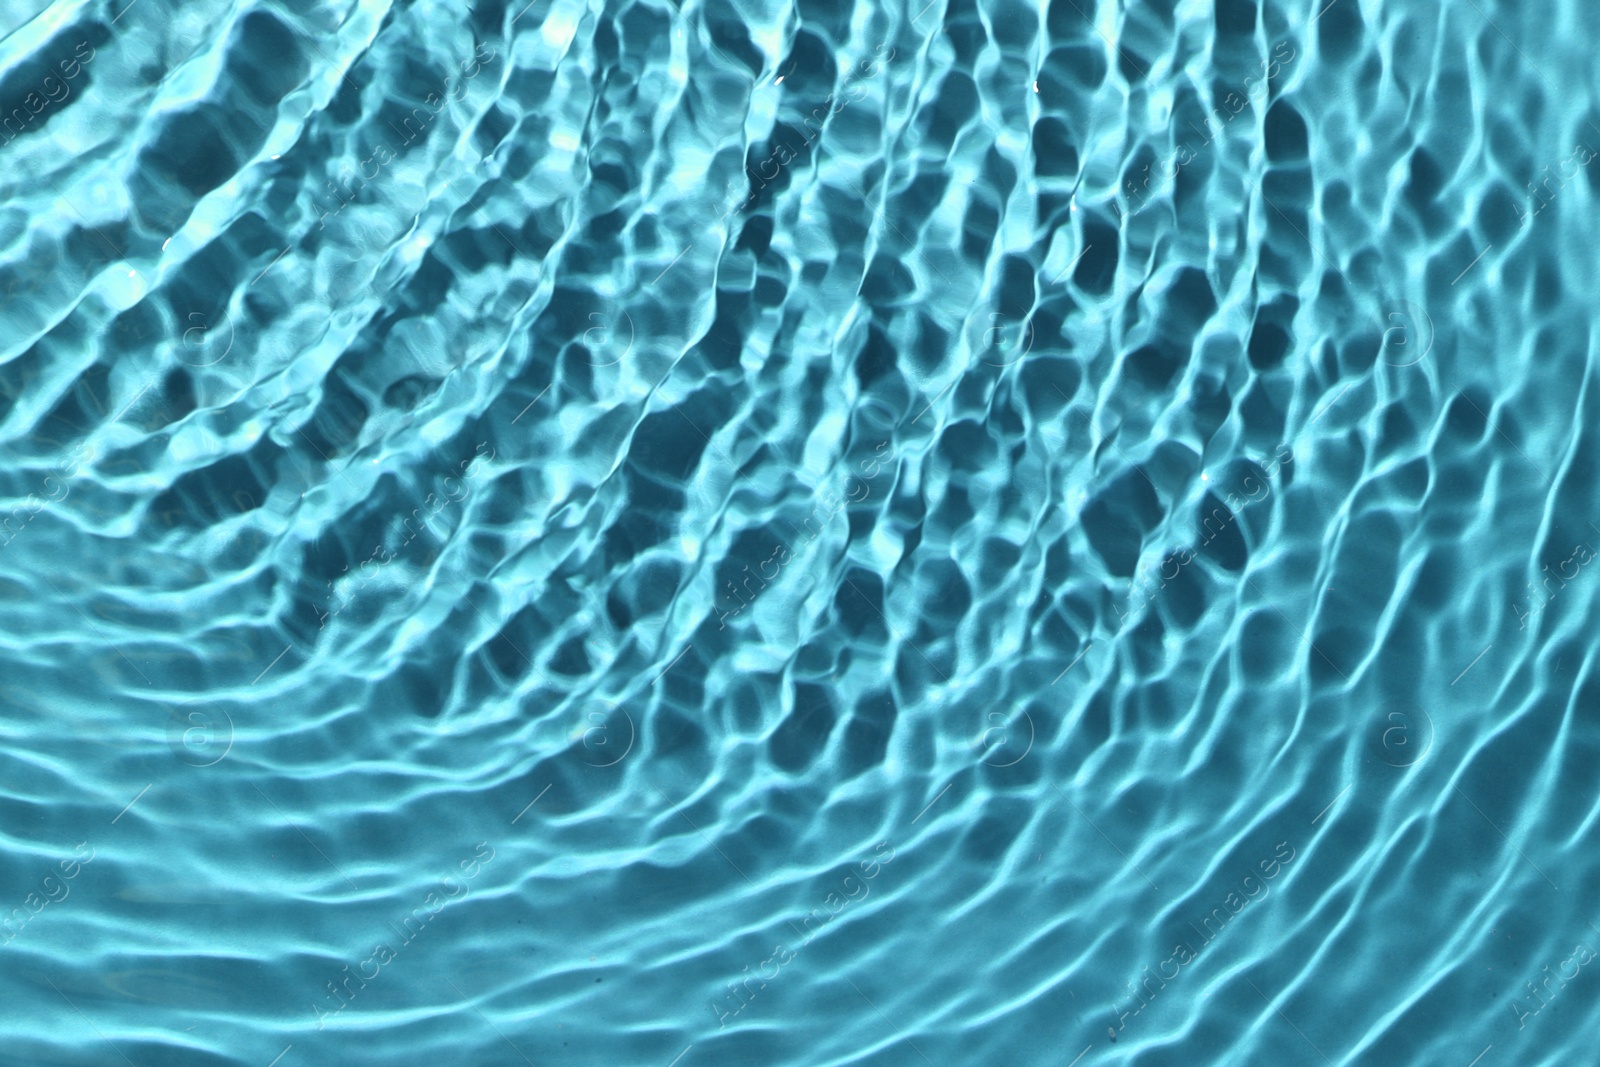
column 696, row 534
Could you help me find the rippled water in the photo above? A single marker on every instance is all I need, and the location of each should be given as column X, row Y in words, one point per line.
column 751, row 534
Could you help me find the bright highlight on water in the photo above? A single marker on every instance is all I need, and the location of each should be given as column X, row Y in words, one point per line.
column 706, row 535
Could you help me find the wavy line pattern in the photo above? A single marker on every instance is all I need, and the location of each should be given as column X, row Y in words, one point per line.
column 707, row 534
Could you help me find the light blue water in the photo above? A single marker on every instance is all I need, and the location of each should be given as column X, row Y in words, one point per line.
column 709, row 534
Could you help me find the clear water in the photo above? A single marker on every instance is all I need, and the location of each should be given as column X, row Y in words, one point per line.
column 762, row 534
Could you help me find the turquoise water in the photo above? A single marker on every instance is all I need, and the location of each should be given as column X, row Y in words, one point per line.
column 695, row 535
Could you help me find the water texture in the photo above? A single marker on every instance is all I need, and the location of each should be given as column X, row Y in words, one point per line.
column 703, row 534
